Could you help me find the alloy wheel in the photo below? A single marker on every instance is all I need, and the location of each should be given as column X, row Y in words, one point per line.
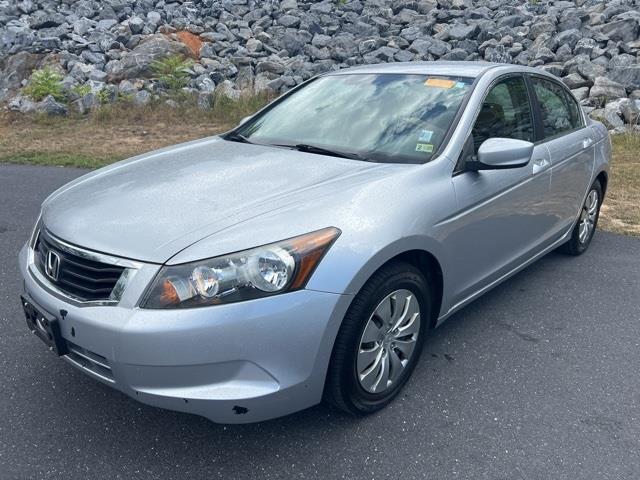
column 388, row 341
column 588, row 217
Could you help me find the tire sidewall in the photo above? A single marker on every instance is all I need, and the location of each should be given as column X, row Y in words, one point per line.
column 579, row 246
column 413, row 281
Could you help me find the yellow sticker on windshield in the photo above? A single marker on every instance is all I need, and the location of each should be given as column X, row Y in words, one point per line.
column 424, row 147
column 439, row 82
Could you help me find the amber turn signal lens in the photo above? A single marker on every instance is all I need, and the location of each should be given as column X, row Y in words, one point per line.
column 168, row 294
column 309, row 250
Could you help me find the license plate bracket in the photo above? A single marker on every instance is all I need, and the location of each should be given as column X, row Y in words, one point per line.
column 44, row 326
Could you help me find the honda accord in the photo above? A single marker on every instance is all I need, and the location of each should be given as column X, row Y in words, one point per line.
column 307, row 253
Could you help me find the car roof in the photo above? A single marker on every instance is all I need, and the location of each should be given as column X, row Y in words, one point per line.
column 459, row 69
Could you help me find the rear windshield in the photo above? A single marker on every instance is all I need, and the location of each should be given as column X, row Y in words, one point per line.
column 381, row 117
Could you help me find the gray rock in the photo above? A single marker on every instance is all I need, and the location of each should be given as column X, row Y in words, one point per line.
column 45, row 19
column 623, row 29
column 575, row 80
column 21, row 104
column 289, row 5
column 581, row 93
column 630, row 110
column 269, row 66
column 254, row 45
column 136, row 24
column 50, row 106
column 607, row 89
column 289, row 21
column 16, row 68
column 629, row 76
column 538, row 28
column 227, row 90
column 106, row 24
column 585, row 46
column 613, row 115
column 455, row 55
column 126, row 87
column 294, row 42
column 93, row 57
column 204, row 101
column 154, row 19
column 425, row 6
column 590, row 70
column 205, row 84
column 143, row 97
column 98, row 76
column 137, row 63
column 498, row 54
column 86, row 103
column 460, row 32
column 568, row 37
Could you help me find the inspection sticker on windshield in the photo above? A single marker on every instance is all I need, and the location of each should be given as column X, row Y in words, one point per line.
column 425, row 135
column 424, row 147
column 460, row 85
column 439, row 82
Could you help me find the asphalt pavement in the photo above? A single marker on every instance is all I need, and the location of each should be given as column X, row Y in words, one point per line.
column 538, row 379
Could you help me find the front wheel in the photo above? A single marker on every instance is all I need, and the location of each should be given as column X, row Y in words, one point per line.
column 587, row 222
column 380, row 340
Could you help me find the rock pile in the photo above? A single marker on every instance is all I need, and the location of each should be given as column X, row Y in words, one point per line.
column 594, row 46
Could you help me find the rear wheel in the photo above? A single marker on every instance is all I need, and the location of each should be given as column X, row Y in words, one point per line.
column 586, row 226
column 380, row 340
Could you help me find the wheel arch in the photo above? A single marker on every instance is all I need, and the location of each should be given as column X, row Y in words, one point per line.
column 422, row 253
column 603, row 178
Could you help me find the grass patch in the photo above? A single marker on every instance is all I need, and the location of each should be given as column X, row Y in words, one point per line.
column 119, row 131
column 621, row 209
column 114, row 132
column 62, row 159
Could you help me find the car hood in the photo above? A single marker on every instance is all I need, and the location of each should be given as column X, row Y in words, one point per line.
column 151, row 207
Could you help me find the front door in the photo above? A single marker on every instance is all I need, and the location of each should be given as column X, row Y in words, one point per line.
column 502, row 218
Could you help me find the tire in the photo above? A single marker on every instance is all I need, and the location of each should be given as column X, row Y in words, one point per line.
column 579, row 244
column 344, row 388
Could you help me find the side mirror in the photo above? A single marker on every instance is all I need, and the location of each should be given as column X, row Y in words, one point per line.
column 245, row 119
column 501, row 153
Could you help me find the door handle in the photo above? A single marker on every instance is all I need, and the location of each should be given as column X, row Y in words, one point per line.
column 586, row 142
column 540, row 164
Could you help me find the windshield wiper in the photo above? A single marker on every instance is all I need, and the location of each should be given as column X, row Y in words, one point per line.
column 237, row 137
column 304, row 147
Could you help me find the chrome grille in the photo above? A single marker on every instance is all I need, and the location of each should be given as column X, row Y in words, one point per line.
column 80, row 277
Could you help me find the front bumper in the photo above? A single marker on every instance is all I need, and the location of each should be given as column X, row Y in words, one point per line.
column 235, row 363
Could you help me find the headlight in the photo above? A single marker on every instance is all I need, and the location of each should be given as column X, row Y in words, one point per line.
column 275, row 268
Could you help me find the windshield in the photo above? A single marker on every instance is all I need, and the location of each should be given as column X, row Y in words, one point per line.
column 377, row 117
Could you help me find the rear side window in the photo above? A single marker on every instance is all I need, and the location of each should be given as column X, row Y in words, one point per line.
column 505, row 113
column 557, row 118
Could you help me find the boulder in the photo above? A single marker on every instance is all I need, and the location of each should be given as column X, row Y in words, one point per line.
column 50, row 106
column 143, row 97
column 137, row 63
column 608, row 89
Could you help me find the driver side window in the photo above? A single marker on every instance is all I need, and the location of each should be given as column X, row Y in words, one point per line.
column 505, row 113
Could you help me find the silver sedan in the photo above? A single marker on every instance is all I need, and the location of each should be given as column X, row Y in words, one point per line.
column 306, row 254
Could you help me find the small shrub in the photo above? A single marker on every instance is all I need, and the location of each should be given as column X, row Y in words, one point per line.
column 172, row 72
column 81, row 90
column 44, row 82
column 103, row 96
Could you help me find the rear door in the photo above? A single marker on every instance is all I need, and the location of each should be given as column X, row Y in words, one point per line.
column 571, row 148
